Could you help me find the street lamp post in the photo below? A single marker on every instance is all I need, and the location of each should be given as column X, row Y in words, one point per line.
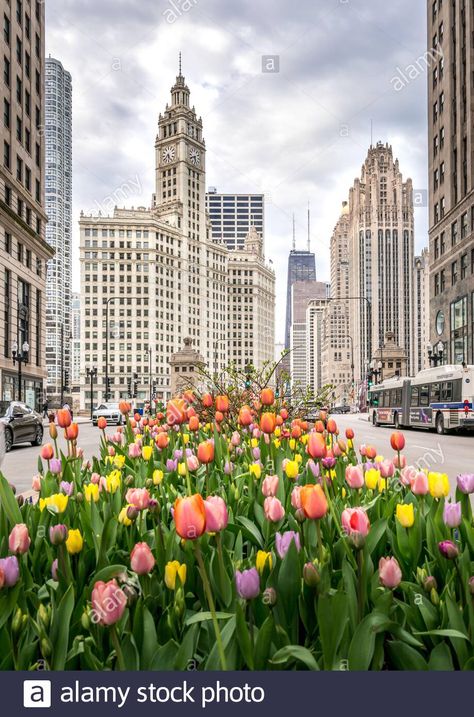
column 91, row 374
column 435, row 354
column 106, row 372
column 20, row 358
column 150, row 378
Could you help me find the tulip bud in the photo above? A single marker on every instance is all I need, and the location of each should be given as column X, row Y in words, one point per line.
column 58, row 534
column 471, row 585
column 300, row 516
column 148, row 483
column 129, row 480
column 44, row 616
column 179, row 604
column 269, row 597
column 357, row 540
column 430, row 583
column 448, row 549
column 130, row 593
column 79, row 497
column 154, row 507
column 434, row 597
column 132, row 512
column 311, row 575
column 46, row 648
column 13, row 488
column 85, row 621
column 17, row 621
column 53, row 431
column 421, row 575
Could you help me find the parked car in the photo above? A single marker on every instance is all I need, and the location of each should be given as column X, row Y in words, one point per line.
column 110, row 411
column 341, row 409
column 21, row 424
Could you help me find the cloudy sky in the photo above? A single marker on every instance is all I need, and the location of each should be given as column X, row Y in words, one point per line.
column 299, row 135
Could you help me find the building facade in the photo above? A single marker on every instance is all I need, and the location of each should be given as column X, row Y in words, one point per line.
column 301, row 346
column 23, row 247
column 178, row 283
column 451, row 178
column 421, row 288
column 315, row 318
column 233, row 215
column 58, row 203
column 301, row 267
column 381, row 257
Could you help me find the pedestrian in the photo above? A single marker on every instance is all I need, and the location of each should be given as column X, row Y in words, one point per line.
column 68, row 407
column 45, row 408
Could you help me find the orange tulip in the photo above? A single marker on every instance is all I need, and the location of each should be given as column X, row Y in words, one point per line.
column 207, row 400
column 349, row 434
column 191, row 412
column 316, row 446
column 245, row 416
column 268, row 422
column 162, row 440
column 267, row 397
column 193, row 424
column 188, row 396
column 397, row 441
column 205, row 452
column 319, row 426
column 296, row 432
column 190, row 517
column 313, row 501
column 102, row 422
column 124, row 408
column 64, row 417
column 137, row 417
column 47, row 452
column 304, row 426
column 222, row 404
column 72, row 432
column 331, row 425
column 323, row 415
column 176, row 412
column 279, row 420
column 284, row 414
column 371, row 452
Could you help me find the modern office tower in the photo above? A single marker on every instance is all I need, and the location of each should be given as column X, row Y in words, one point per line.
column 153, row 278
column 301, row 267
column 421, row 288
column 338, row 343
column 451, row 178
column 233, row 215
column 302, row 293
column 315, row 318
column 58, row 173
column 23, row 249
column 381, row 257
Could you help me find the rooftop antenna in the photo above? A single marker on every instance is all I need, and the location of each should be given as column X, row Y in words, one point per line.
column 180, row 62
column 294, row 233
column 309, row 228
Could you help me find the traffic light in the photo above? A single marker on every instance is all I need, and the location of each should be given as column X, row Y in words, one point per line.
column 129, row 386
column 66, row 380
column 109, row 383
column 135, row 385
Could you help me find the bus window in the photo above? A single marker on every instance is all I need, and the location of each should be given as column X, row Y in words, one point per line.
column 415, row 392
column 424, row 395
column 375, row 399
column 457, row 390
column 435, row 393
column 398, row 397
column 447, row 391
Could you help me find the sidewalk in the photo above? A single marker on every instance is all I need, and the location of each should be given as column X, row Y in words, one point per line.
column 76, row 419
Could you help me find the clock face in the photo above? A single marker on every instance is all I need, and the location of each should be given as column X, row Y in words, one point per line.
column 194, row 156
column 169, row 154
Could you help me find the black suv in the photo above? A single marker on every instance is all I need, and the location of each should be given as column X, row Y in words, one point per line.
column 20, row 424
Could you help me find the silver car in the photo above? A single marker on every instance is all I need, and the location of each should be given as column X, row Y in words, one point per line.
column 110, row 411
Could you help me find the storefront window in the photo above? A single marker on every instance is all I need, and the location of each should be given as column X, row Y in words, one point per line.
column 459, row 331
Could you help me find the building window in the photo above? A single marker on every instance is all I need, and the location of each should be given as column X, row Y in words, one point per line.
column 436, row 285
column 459, row 331
column 463, row 266
column 454, row 272
column 454, row 233
column 38, row 327
column 464, row 226
column 442, row 280
column 7, row 316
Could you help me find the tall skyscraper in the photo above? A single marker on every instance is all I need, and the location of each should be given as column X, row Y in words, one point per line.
column 451, row 178
column 381, row 257
column 58, row 170
column 233, row 215
column 23, row 249
column 421, row 288
column 180, row 284
column 302, row 294
column 301, row 267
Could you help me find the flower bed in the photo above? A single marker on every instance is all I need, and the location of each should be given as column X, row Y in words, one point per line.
column 206, row 539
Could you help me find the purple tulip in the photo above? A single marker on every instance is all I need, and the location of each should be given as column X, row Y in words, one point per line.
column 178, row 454
column 247, row 583
column 11, row 570
column 58, row 534
column 471, row 584
column 329, row 462
column 171, row 465
column 256, row 453
column 283, row 542
column 448, row 549
column 54, row 569
column 55, row 466
column 228, row 468
column 452, row 514
column 189, row 452
column 465, row 483
column 66, row 487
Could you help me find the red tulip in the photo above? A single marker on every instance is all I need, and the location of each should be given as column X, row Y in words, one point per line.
column 72, row 432
column 190, row 516
column 349, row 434
column 207, row 400
column 222, row 404
column 316, row 446
column 63, row 417
column 397, row 441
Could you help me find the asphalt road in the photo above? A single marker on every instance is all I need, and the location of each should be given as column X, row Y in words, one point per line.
column 451, row 454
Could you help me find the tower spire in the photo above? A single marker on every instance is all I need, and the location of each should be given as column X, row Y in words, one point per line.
column 294, row 233
column 309, row 228
column 179, row 68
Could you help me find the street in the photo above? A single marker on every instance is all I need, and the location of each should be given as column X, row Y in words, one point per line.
column 451, row 454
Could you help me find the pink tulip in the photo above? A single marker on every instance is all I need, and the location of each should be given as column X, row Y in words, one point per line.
column 274, row 511
column 111, row 451
column 390, row 575
column 138, row 497
column 296, row 497
column 108, row 602
column 192, row 463
column 235, row 440
column 355, row 520
column 270, row 486
column 216, row 514
column 399, row 463
column 419, row 483
column 363, row 450
column 354, row 476
column 19, row 539
column 407, row 474
column 142, row 561
column 95, row 478
column 36, row 482
column 387, row 469
column 134, row 450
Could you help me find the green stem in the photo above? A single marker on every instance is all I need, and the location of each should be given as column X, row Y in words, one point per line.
column 360, row 584
column 320, row 542
column 118, row 649
column 336, row 523
column 212, row 608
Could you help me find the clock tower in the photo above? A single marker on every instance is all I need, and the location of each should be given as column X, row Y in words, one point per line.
column 180, row 164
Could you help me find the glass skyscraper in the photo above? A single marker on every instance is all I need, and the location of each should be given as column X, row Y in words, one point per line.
column 232, row 215
column 301, row 267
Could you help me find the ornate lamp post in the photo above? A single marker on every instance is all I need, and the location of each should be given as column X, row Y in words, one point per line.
column 20, row 358
column 91, row 374
column 435, row 354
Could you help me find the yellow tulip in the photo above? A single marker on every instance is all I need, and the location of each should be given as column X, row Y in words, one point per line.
column 298, row 458
column 182, row 468
column 185, row 438
column 57, row 502
column 292, row 444
column 254, row 442
column 381, row 485
column 113, row 481
column 343, row 492
column 173, row 569
column 91, row 492
column 277, row 431
column 372, row 477
column 74, row 542
column 123, row 517
column 378, row 459
column 119, row 461
column 277, row 443
column 350, row 443
column 304, row 439
column 157, row 476
column 438, row 484
column 147, row 452
column 255, row 469
column 405, row 514
column 262, row 559
column 291, row 469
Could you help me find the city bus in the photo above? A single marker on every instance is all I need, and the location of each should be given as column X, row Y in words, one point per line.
column 438, row 398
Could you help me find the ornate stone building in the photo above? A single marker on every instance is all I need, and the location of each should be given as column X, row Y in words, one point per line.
column 185, row 365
